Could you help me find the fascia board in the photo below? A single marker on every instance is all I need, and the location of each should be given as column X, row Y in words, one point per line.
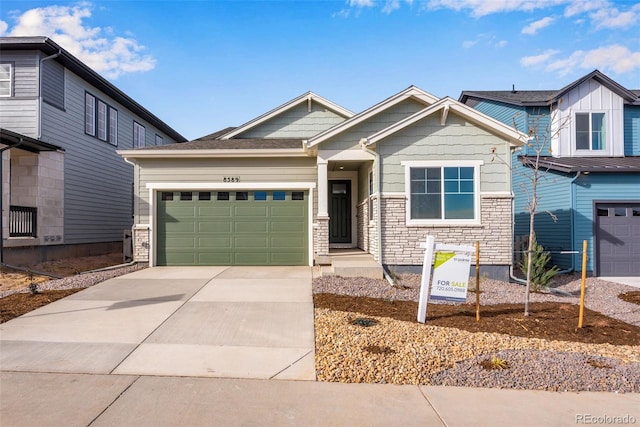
column 411, row 91
column 515, row 137
column 174, row 154
column 286, row 106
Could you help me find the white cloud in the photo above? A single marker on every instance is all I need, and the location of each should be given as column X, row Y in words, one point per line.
column 616, row 58
column 501, row 43
column 362, row 3
column 577, row 7
column 536, row 26
column 613, row 18
column 3, row 27
column 467, row 44
column 390, row 6
column 481, row 8
column 111, row 56
column 531, row 61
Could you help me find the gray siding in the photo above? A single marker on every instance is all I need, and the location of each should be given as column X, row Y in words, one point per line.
column 350, row 139
column 297, row 122
column 213, row 171
column 457, row 140
column 19, row 112
column 53, row 83
column 98, row 182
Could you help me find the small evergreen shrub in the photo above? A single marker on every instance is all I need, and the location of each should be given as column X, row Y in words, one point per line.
column 541, row 275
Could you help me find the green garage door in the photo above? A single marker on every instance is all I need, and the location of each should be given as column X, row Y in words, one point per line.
column 232, row 228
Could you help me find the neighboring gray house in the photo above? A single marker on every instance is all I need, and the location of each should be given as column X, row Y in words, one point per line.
column 65, row 190
column 308, row 177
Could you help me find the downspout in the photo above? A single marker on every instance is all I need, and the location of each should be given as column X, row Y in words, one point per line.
column 55, row 55
column 512, row 275
column 378, row 217
column 2, row 150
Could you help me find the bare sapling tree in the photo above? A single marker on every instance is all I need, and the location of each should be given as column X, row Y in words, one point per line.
column 542, row 131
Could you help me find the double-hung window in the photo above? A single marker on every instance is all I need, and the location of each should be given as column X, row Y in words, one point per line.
column 5, row 80
column 89, row 114
column 159, row 140
column 139, row 135
column 102, row 120
column 442, row 192
column 590, row 131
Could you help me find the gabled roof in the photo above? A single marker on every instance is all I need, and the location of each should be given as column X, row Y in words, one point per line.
column 410, row 92
column 585, row 164
column 49, row 47
column 444, row 106
column 306, row 97
column 538, row 98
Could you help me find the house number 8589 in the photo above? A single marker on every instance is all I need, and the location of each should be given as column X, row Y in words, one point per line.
column 231, row 179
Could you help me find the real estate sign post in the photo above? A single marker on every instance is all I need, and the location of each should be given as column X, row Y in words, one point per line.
column 450, row 274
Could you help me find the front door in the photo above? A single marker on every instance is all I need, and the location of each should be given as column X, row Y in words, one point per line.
column 339, row 211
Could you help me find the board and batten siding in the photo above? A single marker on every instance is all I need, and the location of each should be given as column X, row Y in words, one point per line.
column 591, row 96
column 600, row 187
column 19, row 112
column 631, row 130
column 350, row 138
column 297, row 122
column 97, row 181
column 457, row 140
column 213, row 171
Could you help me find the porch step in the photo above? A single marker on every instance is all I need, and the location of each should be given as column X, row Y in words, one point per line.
column 356, row 267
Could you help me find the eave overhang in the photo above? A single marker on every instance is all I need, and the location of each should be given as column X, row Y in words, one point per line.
column 194, row 154
column 23, row 142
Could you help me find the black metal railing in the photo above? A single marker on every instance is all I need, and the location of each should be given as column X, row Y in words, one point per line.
column 23, row 221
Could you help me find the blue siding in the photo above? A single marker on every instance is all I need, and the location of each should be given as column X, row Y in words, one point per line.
column 631, row 130
column 554, row 202
column 600, row 187
column 507, row 114
column 538, row 125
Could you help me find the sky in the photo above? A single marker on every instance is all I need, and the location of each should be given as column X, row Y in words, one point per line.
column 204, row 65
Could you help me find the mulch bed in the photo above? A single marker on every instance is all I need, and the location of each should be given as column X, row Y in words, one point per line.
column 15, row 305
column 632, row 297
column 547, row 320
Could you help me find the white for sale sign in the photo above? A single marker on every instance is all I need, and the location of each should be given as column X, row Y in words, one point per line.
column 450, row 276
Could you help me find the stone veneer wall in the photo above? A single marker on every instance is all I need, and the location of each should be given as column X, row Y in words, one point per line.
column 141, row 243
column 321, row 236
column 363, row 225
column 401, row 244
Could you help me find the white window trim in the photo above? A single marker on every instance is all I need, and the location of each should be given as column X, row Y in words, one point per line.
column 89, row 125
column 10, row 80
column 442, row 163
column 139, row 135
column 607, row 133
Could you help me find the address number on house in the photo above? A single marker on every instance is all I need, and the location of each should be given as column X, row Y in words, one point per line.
column 231, row 179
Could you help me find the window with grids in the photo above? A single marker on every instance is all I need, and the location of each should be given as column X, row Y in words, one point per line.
column 441, row 193
column 139, row 135
column 100, row 119
column 590, row 131
column 5, row 80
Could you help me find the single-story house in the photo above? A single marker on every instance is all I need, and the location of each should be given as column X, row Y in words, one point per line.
column 308, row 177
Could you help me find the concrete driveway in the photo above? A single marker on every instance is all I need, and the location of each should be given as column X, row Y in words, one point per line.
column 235, row 322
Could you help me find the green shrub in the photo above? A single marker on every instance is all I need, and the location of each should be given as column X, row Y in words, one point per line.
column 541, row 275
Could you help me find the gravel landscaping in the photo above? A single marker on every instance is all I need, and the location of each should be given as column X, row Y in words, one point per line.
column 403, row 352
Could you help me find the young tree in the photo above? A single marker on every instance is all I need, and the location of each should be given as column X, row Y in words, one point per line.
column 542, row 129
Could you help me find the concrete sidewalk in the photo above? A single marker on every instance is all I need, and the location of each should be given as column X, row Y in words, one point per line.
column 50, row 399
column 167, row 346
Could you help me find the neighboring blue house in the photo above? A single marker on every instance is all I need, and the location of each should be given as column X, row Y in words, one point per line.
column 591, row 180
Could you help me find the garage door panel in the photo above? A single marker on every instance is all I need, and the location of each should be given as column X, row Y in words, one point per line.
column 263, row 231
column 288, row 242
column 251, row 210
column 252, row 242
column 618, row 239
column 289, row 211
column 251, row 258
column 288, row 227
column 210, row 226
column 250, row 227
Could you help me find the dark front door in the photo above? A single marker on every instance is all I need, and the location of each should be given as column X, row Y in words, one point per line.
column 339, row 211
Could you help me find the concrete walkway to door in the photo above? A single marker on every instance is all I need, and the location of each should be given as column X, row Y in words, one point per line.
column 238, row 322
